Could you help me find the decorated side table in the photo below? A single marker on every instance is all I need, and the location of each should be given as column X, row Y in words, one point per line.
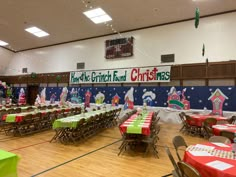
column 8, row 164
column 212, row 159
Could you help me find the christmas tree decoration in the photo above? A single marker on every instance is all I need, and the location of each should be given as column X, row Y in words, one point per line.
column 58, row 78
column 33, row 75
column 197, row 16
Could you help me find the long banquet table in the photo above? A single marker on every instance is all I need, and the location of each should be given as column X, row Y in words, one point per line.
column 18, row 117
column 212, row 160
column 71, row 122
column 138, row 124
column 224, row 127
column 198, row 119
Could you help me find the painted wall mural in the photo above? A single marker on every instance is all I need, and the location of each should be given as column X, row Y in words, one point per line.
column 197, row 95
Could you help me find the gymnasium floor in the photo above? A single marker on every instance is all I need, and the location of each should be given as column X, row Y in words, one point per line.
column 96, row 157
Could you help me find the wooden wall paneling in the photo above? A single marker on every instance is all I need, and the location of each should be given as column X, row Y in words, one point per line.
column 194, row 71
column 52, row 78
column 175, row 72
column 22, row 79
column 32, row 80
column 196, row 82
column 221, row 82
column 65, row 77
column 221, row 70
column 43, row 78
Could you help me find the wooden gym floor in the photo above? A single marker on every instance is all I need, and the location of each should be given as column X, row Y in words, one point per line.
column 96, row 157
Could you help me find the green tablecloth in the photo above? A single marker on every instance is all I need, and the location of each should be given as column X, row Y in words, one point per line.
column 11, row 118
column 136, row 125
column 8, row 164
column 71, row 122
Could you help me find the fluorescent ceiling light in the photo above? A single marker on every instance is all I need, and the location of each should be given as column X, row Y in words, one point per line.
column 97, row 15
column 2, row 43
column 36, row 31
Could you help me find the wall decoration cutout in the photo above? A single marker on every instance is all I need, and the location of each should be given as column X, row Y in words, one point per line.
column 175, row 101
column 148, row 97
column 75, row 98
column 217, row 98
column 21, row 99
column 63, row 96
column 43, row 96
column 52, row 99
column 197, row 16
column 99, row 98
column 115, row 100
column 37, row 100
column 184, row 100
column 88, row 95
column 129, row 99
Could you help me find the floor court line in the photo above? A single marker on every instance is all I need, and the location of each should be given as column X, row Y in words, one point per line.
column 75, row 158
column 28, row 146
column 109, row 137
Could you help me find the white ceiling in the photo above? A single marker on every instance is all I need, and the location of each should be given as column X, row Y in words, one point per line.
column 64, row 20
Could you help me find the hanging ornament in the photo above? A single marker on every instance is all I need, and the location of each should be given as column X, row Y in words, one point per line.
column 203, row 50
column 58, row 78
column 197, row 16
column 33, row 75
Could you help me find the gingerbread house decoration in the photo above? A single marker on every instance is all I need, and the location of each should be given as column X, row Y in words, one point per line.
column 217, row 99
column 174, row 99
column 88, row 95
column 115, row 100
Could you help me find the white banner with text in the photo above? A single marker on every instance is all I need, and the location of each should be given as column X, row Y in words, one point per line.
column 124, row 75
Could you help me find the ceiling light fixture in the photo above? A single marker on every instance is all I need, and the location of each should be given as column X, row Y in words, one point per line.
column 97, row 15
column 2, row 43
column 36, row 31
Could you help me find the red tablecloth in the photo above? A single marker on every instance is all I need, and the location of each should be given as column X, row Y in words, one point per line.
column 199, row 118
column 145, row 129
column 224, row 127
column 199, row 162
column 20, row 116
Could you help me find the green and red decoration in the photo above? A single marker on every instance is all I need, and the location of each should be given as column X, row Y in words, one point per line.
column 197, row 16
column 203, row 50
column 58, row 78
column 33, row 75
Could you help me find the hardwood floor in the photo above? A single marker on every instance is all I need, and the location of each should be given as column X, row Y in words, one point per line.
column 96, row 157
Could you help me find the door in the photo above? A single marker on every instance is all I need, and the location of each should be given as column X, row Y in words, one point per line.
column 33, row 90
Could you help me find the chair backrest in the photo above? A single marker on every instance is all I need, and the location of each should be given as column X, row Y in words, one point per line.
column 219, row 139
column 210, row 121
column 232, row 120
column 176, row 168
column 178, row 141
column 188, row 170
column 227, row 134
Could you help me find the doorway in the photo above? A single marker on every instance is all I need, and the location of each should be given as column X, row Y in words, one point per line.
column 33, row 90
